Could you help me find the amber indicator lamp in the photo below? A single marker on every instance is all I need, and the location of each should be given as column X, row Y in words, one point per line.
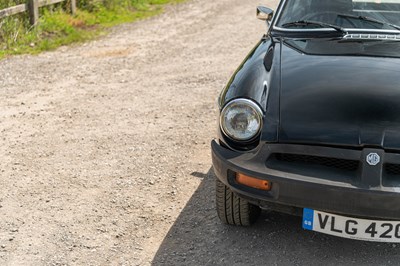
column 253, row 182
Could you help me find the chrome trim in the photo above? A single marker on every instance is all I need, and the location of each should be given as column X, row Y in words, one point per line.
column 277, row 14
column 364, row 36
column 252, row 105
column 377, row 31
column 303, row 30
column 373, row 30
column 374, row 11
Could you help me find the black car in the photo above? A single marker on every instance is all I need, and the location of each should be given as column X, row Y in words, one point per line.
column 310, row 121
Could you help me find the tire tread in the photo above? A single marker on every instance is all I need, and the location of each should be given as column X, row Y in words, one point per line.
column 232, row 209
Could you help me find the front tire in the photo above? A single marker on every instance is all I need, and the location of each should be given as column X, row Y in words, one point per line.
column 232, row 209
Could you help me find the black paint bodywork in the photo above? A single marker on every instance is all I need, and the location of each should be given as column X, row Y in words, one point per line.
column 254, row 79
column 322, row 97
column 332, row 99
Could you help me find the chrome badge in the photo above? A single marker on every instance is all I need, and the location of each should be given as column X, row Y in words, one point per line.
column 373, row 159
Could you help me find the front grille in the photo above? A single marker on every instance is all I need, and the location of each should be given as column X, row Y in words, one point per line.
column 342, row 164
column 392, row 169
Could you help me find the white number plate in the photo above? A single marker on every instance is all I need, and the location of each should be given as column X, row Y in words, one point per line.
column 362, row 229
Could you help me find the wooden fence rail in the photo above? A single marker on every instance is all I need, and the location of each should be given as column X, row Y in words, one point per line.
column 32, row 6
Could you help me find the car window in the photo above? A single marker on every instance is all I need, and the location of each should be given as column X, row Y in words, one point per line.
column 343, row 13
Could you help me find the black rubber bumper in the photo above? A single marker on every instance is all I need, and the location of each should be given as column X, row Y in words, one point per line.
column 294, row 190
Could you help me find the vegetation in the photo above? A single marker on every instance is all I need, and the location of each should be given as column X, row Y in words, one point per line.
column 58, row 27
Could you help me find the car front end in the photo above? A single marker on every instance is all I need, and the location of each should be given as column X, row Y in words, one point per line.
column 310, row 122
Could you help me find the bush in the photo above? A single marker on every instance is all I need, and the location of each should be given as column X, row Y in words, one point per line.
column 57, row 27
column 11, row 28
column 8, row 3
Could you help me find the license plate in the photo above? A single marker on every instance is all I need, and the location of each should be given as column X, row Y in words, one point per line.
column 354, row 228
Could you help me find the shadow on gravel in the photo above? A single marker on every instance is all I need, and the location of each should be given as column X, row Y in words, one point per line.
column 198, row 238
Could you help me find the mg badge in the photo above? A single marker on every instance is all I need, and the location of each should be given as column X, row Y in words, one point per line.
column 373, row 159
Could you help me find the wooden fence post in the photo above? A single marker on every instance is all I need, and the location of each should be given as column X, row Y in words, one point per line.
column 73, row 7
column 33, row 9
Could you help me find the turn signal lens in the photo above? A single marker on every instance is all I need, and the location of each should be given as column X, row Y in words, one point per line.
column 253, row 182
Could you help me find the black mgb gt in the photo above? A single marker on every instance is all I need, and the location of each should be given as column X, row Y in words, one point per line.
column 310, row 122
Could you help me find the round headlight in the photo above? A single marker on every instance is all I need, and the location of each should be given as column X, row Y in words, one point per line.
column 241, row 119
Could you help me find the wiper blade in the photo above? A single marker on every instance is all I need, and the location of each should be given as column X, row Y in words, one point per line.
column 315, row 23
column 369, row 19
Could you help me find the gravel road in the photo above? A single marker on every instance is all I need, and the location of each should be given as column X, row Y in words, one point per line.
column 105, row 154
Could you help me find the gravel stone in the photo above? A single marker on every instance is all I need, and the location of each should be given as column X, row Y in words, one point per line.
column 105, row 156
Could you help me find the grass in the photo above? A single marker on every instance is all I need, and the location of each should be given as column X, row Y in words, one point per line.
column 58, row 27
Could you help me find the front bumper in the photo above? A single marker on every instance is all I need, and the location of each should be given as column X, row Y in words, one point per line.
column 365, row 191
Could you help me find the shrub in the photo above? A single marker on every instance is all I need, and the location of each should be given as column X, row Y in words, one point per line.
column 57, row 27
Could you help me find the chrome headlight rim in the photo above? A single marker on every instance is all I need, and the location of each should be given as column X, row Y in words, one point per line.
column 250, row 103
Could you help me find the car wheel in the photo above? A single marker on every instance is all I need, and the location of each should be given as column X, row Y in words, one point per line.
column 232, row 209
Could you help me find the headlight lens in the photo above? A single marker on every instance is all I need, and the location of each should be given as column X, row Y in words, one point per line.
column 241, row 119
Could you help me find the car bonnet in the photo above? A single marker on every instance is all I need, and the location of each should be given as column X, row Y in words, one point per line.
column 339, row 99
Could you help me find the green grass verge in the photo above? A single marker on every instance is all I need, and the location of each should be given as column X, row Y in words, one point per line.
column 57, row 27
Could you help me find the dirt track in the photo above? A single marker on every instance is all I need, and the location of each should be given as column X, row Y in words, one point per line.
column 105, row 157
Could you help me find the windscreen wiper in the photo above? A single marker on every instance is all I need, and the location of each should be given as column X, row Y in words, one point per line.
column 315, row 23
column 369, row 20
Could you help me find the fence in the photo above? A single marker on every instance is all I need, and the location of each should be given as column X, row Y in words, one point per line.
column 32, row 6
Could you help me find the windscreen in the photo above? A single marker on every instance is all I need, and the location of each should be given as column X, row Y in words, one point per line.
column 343, row 13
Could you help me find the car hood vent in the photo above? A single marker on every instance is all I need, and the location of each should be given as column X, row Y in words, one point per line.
column 373, row 37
